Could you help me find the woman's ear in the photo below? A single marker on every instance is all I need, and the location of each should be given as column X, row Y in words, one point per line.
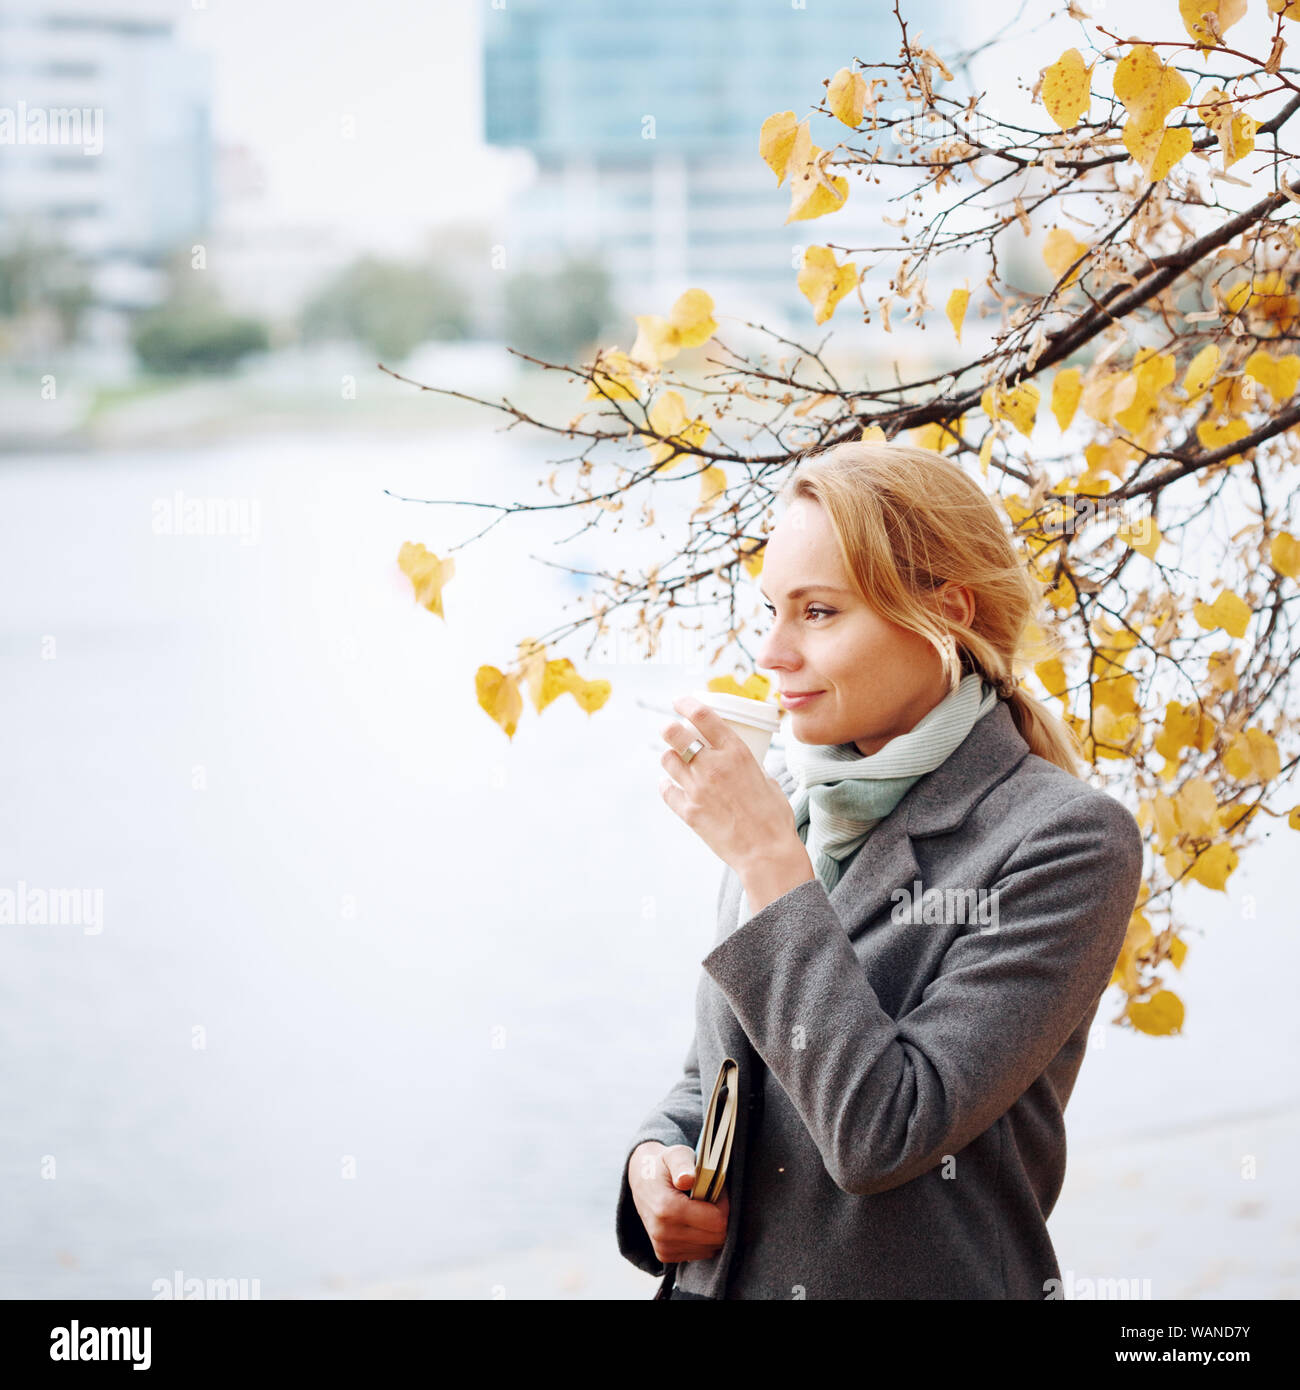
column 958, row 603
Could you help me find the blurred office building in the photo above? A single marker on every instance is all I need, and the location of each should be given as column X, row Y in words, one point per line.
column 105, row 140
column 644, row 125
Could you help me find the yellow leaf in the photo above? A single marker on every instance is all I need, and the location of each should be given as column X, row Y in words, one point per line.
column 1116, row 693
column 872, row 434
column 937, row 436
column 590, row 695
column 756, row 687
column 1066, row 390
column 751, row 556
column 1216, row 436
column 1052, row 675
column 1278, row 376
column 557, row 677
column 655, row 343
column 820, row 201
column 427, row 574
column 813, row 192
column 776, row 143
column 1222, row 670
column 1199, row 371
column 1152, row 372
column 1184, row 727
column 1196, row 807
column 1288, row 9
column 1227, row 611
column 1060, row 251
column 1293, row 819
column 1107, row 393
column 847, row 96
column 1267, row 296
column 692, row 318
column 713, row 483
column 1284, row 555
column 1066, row 89
column 1159, row 1016
column 986, row 453
column 1063, row 594
column 1143, row 536
column 823, row 282
column 560, row 677
column 689, row 324
column 1234, row 130
column 532, row 667
column 1213, row 867
column 498, row 694
column 1112, row 732
column 1252, row 755
column 957, row 302
column 1177, row 951
column 1230, row 817
column 1138, row 938
column 1166, row 820
column 1125, row 972
column 1156, row 148
column 1226, row 13
column 1019, row 405
column 667, row 416
column 614, row 374
column 1150, row 91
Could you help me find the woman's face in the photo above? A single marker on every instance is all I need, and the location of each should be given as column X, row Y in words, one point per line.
column 877, row 680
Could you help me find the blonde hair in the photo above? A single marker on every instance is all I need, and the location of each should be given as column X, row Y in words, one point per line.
column 909, row 521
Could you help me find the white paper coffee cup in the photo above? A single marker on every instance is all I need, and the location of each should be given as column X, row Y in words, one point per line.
column 754, row 720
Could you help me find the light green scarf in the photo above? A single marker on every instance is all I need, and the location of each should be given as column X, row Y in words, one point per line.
column 840, row 795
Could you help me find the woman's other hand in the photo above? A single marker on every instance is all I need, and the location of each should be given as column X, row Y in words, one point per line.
column 679, row 1227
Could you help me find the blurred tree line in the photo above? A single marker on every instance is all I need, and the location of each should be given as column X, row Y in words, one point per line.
column 388, row 306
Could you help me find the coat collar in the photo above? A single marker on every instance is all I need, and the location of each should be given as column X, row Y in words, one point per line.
column 935, row 804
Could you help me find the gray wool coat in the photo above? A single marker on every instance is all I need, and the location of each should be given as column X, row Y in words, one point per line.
column 903, row 1082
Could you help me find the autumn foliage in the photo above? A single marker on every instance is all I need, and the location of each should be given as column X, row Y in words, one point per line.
column 1134, row 414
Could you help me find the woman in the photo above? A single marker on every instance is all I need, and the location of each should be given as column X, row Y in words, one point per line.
column 909, row 1014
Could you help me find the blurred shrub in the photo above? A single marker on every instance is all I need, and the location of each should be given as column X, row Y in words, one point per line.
column 41, row 280
column 182, row 336
column 388, row 306
column 557, row 315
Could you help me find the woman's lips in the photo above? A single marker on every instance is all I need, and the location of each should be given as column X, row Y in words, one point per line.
column 798, row 701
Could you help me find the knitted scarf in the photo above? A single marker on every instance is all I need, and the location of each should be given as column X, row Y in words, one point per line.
column 840, row 795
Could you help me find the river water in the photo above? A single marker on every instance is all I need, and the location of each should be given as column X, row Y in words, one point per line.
column 374, row 992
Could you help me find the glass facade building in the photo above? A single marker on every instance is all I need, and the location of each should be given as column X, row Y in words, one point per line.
column 644, row 125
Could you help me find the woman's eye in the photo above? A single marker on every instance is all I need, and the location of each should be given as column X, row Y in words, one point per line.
column 815, row 612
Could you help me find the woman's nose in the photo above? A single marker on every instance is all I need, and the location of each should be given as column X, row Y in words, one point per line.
column 772, row 655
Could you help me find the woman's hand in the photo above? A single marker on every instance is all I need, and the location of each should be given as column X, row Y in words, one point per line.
column 724, row 795
column 680, row 1228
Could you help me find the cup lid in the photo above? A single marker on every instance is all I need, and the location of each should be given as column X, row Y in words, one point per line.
column 761, row 714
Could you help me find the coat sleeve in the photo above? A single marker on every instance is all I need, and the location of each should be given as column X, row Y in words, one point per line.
column 677, row 1119
column 886, row 1100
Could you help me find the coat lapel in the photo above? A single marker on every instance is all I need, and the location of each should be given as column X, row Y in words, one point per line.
column 934, row 804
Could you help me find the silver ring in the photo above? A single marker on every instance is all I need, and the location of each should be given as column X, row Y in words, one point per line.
column 692, row 748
